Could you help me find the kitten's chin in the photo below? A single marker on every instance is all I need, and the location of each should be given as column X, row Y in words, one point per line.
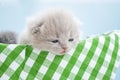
column 61, row 53
column 58, row 53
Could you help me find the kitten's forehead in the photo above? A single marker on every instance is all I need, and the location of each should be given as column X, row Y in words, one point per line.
column 59, row 23
column 58, row 18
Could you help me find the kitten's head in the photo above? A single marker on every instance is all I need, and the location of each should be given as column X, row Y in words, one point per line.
column 56, row 31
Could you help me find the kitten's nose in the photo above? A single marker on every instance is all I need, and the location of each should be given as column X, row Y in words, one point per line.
column 65, row 48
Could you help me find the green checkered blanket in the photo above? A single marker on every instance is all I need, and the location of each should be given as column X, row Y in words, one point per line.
column 95, row 58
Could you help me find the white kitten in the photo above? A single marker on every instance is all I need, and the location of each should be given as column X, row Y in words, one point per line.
column 55, row 31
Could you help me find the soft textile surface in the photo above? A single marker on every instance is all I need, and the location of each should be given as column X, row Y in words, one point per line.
column 95, row 58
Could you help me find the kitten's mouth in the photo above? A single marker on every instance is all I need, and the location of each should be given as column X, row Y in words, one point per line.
column 63, row 52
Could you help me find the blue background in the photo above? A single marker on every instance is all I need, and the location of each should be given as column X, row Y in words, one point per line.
column 97, row 16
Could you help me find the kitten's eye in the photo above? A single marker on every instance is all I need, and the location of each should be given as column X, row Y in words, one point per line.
column 71, row 39
column 55, row 41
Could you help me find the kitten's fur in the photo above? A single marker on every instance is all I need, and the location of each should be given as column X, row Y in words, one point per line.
column 8, row 37
column 52, row 25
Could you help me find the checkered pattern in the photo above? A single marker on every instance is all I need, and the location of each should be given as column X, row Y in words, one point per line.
column 95, row 58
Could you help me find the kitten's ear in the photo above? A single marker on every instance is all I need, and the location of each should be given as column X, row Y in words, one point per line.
column 37, row 28
column 35, row 24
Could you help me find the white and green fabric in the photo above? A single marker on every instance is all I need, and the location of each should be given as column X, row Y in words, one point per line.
column 95, row 58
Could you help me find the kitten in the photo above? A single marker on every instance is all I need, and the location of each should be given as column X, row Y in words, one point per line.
column 55, row 31
column 8, row 37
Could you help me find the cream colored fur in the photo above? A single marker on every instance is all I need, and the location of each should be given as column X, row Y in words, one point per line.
column 49, row 26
